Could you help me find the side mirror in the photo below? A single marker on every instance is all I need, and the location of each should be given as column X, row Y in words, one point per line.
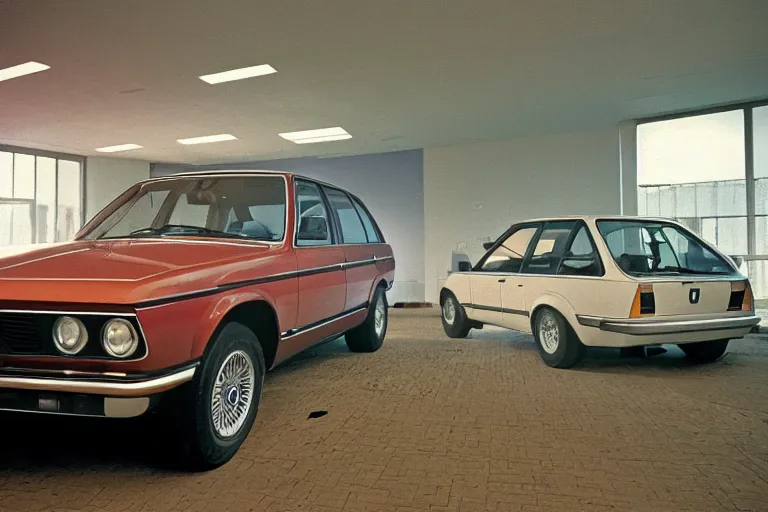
column 465, row 266
column 313, row 228
column 487, row 245
column 738, row 261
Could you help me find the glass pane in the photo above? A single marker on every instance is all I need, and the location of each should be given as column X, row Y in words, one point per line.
column 45, row 196
column 667, row 202
column 508, row 257
column 706, row 200
column 691, row 149
column 313, row 218
column 731, row 198
column 549, row 248
column 6, row 174
column 352, row 231
column 732, row 235
column 15, row 222
column 370, row 231
column 23, row 176
column 685, row 201
column 70, row 202
column 652, row 194
column 642, row 201
column 761, row 196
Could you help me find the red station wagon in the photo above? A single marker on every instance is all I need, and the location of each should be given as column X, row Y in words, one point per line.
column 182, row 293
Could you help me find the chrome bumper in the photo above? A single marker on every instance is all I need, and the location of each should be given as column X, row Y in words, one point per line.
column 108, row 384
column 649, row 327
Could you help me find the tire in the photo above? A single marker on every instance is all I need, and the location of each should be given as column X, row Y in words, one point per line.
column 705, row 351
column 209, row 440
column 558, row 345
column 369, row 336
column 454, row 317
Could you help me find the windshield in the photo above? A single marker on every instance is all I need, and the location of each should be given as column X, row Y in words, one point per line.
column 643, row 248
column 246, row 207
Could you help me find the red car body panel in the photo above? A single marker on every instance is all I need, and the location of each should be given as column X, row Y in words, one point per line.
column 181, row 288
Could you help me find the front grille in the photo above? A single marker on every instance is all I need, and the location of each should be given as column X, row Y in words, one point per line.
column 20, row 333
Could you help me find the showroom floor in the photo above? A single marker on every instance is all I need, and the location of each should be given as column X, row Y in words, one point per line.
column 429, row 423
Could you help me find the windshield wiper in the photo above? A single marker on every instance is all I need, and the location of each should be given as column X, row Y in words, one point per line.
column 187, row 230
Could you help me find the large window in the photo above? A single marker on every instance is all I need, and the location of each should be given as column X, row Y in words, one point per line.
column 41, row 198
column 710, row 173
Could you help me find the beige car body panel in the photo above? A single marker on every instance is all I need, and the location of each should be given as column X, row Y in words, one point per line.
column 588, row 302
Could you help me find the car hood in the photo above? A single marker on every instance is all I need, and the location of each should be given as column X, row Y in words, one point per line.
column 122, row 271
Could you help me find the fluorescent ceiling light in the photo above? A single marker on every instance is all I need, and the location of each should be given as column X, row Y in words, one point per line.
column 206, row 139
column 238, row 74
column 22, row 69
column 119, row 147
column 327, row 138
column 321, row 135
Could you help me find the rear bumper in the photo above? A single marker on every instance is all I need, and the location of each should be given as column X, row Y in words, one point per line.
column 656, row 327
column 86, row 393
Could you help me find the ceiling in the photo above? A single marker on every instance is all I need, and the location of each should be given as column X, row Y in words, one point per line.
column 397, row 74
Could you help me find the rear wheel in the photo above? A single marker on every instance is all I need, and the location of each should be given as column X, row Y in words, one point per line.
column 369, row 336
column 558, row 345
column 705, row 351
column 455, row 321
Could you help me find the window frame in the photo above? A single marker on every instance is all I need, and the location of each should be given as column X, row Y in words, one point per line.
column 57, row 156
column 535, row 243
column 333, row 228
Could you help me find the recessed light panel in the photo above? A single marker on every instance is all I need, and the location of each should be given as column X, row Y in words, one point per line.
column 320, row 135
column 238, row 74
column 119, row 147
column 22, row 69
column 207, row 138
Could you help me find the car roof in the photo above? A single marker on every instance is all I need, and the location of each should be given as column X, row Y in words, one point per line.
column 596, row 217
column 243, row 172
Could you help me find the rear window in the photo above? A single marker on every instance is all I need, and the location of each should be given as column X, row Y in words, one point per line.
column 648, row 248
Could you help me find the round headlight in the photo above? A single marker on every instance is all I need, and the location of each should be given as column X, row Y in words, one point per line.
column 69, row 335
column 119, row 338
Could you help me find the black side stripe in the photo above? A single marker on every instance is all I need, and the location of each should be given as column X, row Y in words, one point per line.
column 260, row 280
column 496, row 310
column 320, row 323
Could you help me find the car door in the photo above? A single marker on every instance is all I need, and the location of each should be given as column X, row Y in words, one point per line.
column 542, row 261
column 322, row 284
column 499, row 268
column 362, row 246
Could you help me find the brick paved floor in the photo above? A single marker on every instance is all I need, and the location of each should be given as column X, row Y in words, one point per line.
column 429, row 423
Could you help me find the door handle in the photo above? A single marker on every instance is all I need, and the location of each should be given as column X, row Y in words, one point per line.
column 502, row 280
column 519, row 286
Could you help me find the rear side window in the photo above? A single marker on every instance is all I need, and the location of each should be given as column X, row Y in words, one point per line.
column 312, row 226
column 352, row 229
column 581, row 258
column 549, row 249
column 370, row 229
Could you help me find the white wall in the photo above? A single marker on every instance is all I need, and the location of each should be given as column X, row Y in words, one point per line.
column 107, row 178
column 474, row 192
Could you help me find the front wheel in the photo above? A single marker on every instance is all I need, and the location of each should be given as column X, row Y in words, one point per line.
column 705, row 351
column 558, row 345
column 219, row 407
column 369, row 336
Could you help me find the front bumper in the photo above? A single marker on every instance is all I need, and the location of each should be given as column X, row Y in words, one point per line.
column 108, row 394
column 656, row 326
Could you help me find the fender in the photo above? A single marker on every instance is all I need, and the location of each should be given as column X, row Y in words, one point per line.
column 558, row 303
column 218, row 310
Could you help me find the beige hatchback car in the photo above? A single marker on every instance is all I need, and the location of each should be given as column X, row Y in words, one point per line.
column 625, row 282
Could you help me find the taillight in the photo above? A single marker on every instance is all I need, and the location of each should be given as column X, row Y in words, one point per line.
column 741, row 297
column 644, row 303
